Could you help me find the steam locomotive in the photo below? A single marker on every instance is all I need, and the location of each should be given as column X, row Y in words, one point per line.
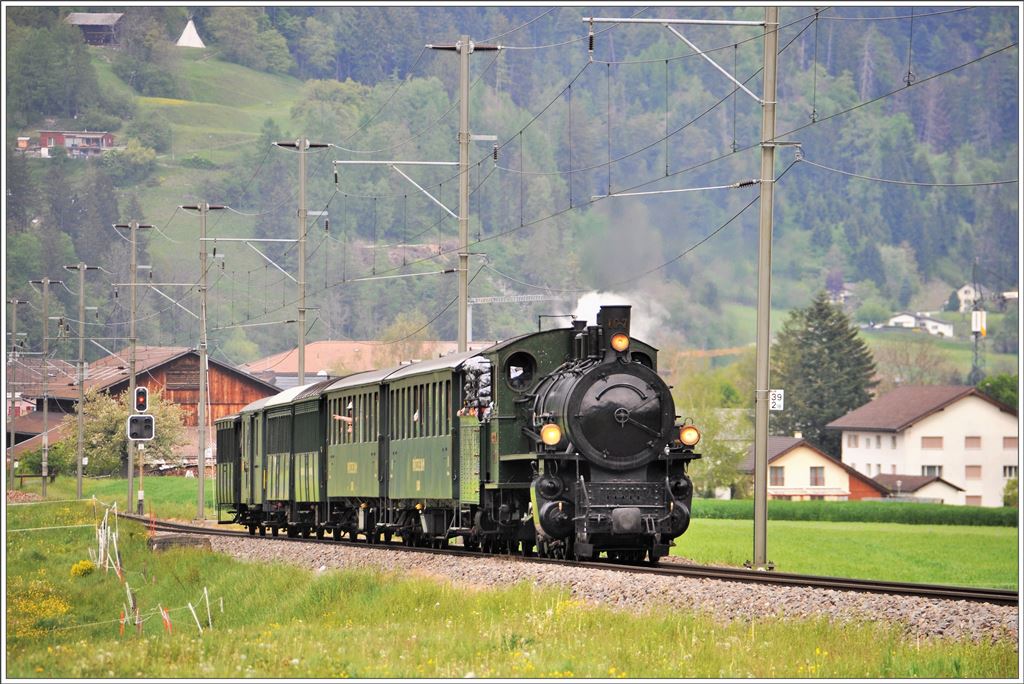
column 563, row 443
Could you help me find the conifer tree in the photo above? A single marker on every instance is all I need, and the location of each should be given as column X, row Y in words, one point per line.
column 825, row 369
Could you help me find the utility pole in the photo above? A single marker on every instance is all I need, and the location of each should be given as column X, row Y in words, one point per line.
column 978, row 325
column 302, row 146
column 45, row 282
column 464, row 47
column 764, row 277
column 203, row 208
column 12, row 386
column 134, row 226
column 770, row 26
column 81, row 268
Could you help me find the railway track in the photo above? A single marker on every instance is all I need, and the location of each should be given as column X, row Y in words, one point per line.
column 933, row 591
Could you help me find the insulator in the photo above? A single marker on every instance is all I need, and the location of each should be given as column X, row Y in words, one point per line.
column 115, row 293
column 335, row 175
column 590, row 40
column 494, row 152
column 214, row 252
column 327, row 225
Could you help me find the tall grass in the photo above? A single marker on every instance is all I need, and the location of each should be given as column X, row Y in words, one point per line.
column 282, row 621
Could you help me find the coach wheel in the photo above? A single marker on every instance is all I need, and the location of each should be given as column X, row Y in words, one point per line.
column 387, row 536
column 275, row 530
column 291, row 531
column 252, row 530
column 337, row 534
column 319, row 533
column 263, row 531
column 306, row 532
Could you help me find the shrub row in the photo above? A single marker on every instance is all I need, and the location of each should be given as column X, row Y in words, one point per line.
column 860, row 511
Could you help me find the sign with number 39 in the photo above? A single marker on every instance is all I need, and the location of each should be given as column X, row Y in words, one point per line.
column 776, row 399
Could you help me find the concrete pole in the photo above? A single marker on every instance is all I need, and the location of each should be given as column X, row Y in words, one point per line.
column 201, row 461
column 303, row 146
column 12, row 386
column 46, row 381
column 465, row 48
column 81, row 377
column 764, row 274
column 133, row 273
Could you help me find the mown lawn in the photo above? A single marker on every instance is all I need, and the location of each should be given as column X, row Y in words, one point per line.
column 929, row 554
column 281, row 621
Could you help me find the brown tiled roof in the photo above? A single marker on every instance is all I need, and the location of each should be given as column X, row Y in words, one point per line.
column 904, row 406
column 911, row 483
column 93, row 18
column 57, row 432
column 779, row 446
column 112, row 370
column 352, row 356
column 32, row 422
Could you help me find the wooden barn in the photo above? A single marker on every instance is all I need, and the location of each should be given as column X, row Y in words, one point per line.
column 173, row 371
column 98, row 28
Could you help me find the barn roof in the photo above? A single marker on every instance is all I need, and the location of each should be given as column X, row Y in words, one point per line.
column 93, row 18
column 111, row 371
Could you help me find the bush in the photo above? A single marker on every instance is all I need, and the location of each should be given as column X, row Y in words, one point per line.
column 1010, row 497
column 129, row 165
column 859, row 511
column 146, row 78
column 82, row 568
column 62, row 459
column 95, row 120
column 151, row 130
column 194, row 161
column 115, row 103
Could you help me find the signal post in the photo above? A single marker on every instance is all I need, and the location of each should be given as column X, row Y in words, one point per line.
column 141, row 428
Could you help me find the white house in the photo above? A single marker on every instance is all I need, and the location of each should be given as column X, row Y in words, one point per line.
column 951, row 432
column 932, row 325
column 799, row 471
column 967, row 294
column 931, row 489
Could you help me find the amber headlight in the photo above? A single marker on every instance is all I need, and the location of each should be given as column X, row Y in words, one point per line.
column 620, row 342
column 551, row 434
column 689, row 435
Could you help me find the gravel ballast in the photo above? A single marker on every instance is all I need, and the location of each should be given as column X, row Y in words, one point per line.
column 623, row 590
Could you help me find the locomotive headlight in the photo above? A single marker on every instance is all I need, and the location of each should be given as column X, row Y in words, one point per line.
column 689, row 435
column 620, row 342
column 551, row 434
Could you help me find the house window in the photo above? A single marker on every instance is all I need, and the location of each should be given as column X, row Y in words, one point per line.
column 817, row 476
column 878, row 441
column 852, row 440
column 892, row 444
column 49, row 142
column 972, row 472
column 931, row 442
column 1010, row 443
column 893, row 468
column 1009, row 471
column 878, row 469
column 776, row 476
column 867, row 442
column 931, row 470
column 972, row 442
column 974, row 501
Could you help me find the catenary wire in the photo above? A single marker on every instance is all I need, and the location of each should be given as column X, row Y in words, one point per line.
column 903, row 182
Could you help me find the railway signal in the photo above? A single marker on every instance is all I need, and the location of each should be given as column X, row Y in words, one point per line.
column 141, row 428
column 141, row 399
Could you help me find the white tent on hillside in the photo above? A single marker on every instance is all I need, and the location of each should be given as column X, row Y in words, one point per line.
column 190, row 37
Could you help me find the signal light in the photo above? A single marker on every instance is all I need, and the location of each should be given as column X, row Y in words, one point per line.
column 551, row 434
column 689, row 435
column 620, row 342
column 141, row 399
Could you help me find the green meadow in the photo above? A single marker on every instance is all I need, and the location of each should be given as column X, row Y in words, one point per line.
column 283, row 621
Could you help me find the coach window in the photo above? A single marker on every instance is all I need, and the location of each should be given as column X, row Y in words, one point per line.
column 446, row 414
column 519, row 369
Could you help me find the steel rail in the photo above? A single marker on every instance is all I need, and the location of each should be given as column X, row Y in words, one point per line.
column 932, row 591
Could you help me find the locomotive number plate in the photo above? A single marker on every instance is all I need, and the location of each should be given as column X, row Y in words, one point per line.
column 419, row 465
column 352, row 467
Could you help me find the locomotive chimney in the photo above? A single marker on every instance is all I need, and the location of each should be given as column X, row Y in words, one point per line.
column 579, row 342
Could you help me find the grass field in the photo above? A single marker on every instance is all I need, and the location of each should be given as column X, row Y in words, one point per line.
column 939, row 554
column 930, row 554
column 280, row 621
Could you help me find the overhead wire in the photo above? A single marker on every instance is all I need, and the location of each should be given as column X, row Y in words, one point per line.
column 572, row 40
column 521, row 26
column 904, row 182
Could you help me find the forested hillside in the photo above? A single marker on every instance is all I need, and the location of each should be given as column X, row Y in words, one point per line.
column 641, row 113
